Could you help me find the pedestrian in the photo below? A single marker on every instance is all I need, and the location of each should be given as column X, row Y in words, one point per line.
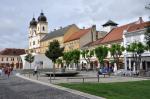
column 0, row 71
column 8, row 71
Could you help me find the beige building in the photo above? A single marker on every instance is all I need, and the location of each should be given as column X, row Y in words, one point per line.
column 39, row 37
column 11, row 57
column 80, row 38
column 59, row 35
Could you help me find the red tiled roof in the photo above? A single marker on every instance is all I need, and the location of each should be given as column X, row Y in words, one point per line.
column 12, row 51
column 138, row 26
column 78, row 34
column 115, row 34
column 93, row 43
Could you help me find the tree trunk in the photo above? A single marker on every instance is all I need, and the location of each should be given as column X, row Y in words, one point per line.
column 54, row 70
column 29, row 70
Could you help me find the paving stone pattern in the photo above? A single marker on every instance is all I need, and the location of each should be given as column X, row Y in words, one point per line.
column 18, row 88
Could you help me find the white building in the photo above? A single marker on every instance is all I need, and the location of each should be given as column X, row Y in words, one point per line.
column 135, row 33
column 37, row 30
column 40, row 60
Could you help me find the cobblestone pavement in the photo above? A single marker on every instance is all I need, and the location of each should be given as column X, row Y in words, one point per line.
column 18, row 88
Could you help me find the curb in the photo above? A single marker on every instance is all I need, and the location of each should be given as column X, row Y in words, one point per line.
column 63, row 88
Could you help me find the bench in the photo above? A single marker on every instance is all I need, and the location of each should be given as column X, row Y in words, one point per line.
column 106, row 74
column 83, row 78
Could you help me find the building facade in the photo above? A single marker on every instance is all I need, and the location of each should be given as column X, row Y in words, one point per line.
column 11, row 57
column 136, row 34
column 37, row 30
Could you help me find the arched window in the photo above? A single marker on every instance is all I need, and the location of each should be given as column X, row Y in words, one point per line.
column 33, row 42
column 43, row 28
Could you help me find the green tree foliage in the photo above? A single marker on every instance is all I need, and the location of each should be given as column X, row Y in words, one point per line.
column 67, row 57
column 101, row 53
column 147, row 37
column 54, row 52
column 87, row 54
column 136, row 48
column 29, row 58
column 76, row 57
column 116, row 52
column 59, row 61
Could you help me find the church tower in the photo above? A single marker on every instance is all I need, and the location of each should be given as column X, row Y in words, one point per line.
column 37, row 30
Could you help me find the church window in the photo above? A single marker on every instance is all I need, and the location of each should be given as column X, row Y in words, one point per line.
column 38, row 28
column 43, row 28
column 33, row 42
column 7, row 59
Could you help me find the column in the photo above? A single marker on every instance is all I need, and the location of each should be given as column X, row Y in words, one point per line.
column 130, row 63
column 141, row 65
column 125, row 62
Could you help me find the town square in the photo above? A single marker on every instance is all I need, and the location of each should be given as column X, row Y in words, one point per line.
column 83, row 49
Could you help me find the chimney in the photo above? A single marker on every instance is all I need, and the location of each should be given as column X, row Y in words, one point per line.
column 93, row 27
column 93, row 31
column 140, row 19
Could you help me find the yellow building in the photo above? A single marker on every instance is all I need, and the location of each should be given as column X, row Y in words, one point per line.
column 57, row 35
column 80, row 38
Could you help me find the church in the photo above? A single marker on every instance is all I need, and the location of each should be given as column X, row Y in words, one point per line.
column 37, row 30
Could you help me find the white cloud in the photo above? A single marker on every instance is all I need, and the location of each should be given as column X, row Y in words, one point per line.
column 16, row 14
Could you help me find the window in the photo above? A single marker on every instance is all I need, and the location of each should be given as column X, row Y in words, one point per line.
column 12, row 59
column 96, row 35
column 38, row 28
column 33, row 42
column 38, row 41
column 7, row 59
column 43, row 28
column 2, row 59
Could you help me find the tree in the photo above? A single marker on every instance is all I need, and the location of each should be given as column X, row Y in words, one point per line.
column 59, row 62
column 147, row 37
column 136, row 48
column 67, row 57
column 54, row 52
column 101, row 53
column 87, row 54
column 116, row 52
column 29, row 58
column 76, row 57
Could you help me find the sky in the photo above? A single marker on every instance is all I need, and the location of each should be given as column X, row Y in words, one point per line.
column 15, row 15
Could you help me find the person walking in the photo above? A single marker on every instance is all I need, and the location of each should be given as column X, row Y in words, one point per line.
column 1, row 71
column 8, row 71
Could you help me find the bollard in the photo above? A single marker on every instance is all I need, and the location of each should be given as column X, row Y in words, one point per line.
column 98, row 77
column 37, row 76
column 29, row 74
column 83, row 79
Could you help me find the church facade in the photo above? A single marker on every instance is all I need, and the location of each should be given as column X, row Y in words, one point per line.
column 37, row 30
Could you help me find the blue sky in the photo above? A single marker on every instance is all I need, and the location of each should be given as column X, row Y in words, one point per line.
column 15, row 15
